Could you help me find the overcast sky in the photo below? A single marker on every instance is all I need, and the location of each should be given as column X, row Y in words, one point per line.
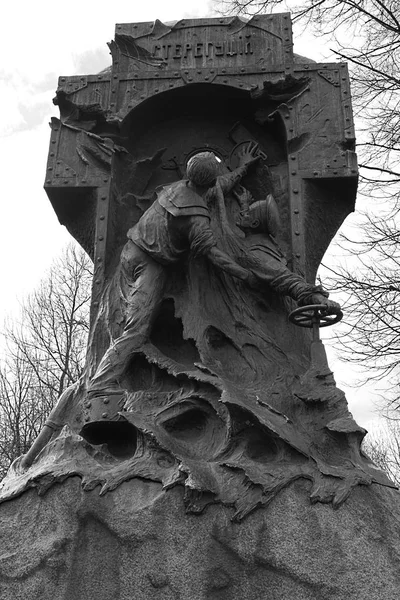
column 39, row 41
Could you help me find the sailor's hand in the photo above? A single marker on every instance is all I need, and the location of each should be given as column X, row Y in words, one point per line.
column 248, row 155
column 332, row 308
column 18, row 466
column 245, row 197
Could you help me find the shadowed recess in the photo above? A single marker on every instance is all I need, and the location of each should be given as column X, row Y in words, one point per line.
column 120, row 437
column 195, row 428
column 167, row 336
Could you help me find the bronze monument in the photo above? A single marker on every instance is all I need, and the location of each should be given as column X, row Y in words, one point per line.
column 205, row 173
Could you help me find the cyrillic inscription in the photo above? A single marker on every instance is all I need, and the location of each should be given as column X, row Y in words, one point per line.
column 201, row 49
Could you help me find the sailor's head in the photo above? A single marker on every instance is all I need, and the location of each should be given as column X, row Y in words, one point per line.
column 262, row 216
column 202, row 169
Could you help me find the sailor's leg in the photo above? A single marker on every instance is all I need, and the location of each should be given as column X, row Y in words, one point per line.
column 143, row 286
column 144, row 283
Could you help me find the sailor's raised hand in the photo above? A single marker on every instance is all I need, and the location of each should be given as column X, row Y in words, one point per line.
column 249, row 154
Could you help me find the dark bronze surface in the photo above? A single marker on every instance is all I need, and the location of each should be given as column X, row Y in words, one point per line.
column 195, row 376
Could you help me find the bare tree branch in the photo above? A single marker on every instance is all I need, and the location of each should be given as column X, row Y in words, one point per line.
column 46, row 347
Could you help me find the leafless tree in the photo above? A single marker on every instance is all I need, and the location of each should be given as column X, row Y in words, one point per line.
column 370, row 332
column 382, row 445
column 44, row 353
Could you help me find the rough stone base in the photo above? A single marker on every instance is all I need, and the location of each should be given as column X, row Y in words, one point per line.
column 136, row 543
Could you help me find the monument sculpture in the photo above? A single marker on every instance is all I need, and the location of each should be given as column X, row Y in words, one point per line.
column 205, row 173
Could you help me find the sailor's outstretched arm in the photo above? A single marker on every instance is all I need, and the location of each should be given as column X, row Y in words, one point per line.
column 248, row 157
column 225, row 263
column 273, row 274
column 202, row 242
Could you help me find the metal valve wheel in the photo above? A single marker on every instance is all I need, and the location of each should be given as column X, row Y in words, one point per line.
column 314, row 314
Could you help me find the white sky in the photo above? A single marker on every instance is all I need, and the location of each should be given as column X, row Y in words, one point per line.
column 40, row 41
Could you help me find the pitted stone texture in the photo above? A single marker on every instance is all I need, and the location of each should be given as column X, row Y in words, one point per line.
column 136, row 543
